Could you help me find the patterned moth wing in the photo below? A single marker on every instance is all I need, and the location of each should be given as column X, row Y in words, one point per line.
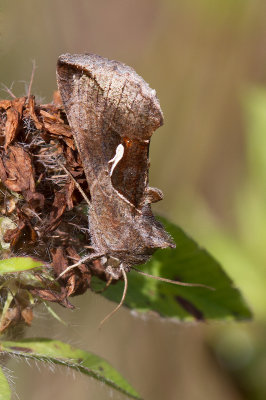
column 113, row 113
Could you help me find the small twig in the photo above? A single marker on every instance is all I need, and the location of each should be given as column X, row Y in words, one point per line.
column 9, row 90
column 31, row 78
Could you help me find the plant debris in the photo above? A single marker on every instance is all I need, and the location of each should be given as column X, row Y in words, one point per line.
column 43, row 202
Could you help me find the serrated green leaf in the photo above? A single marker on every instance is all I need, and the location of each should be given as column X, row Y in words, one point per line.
column 187, row 263
column 57, row 352
column 5, row 392
column 17, row 264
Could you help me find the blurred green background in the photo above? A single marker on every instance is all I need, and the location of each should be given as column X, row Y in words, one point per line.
column 207, row 61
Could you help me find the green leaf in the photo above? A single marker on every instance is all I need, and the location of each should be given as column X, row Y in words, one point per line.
column 57, row 352
column 187, row 263
column 5, row 393
column 17, row 264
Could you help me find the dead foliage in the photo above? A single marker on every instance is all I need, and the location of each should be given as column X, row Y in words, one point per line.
column 43, row 202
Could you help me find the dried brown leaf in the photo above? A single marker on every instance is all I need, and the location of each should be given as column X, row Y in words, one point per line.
column 5, row 104
column 57, row 98
column 19, row 103
column 77, row 280
column 70, row 143
column 19, row 170
column 70, row 158
column 3, row 174
column 13, row 118
column 24, row 230
column 50, row 295
column 12, row 236
column 58, row 129
column 11, row 315
column 34, row 199
column 97, row 269
column 11, row 204
column 58, row 208
column 69, row 190
column 27, row 315
column 12, row 125
column 59, row 261
column 32, row 112
column 48, row 117
column 80, row 281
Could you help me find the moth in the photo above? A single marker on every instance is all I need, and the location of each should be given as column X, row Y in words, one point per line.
column 113, row 113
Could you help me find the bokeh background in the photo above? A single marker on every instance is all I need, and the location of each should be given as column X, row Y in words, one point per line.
column 207, row 61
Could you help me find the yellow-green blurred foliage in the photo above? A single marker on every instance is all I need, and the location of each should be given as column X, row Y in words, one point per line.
column 207, row 61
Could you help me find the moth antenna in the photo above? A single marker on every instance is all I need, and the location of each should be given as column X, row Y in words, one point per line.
column 171, row 281
column 76, row 183
column 89, row 257
column 121, row 301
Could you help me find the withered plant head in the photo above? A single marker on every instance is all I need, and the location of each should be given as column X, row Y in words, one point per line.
column 42, row 213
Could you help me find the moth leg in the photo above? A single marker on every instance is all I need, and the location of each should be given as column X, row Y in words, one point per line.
column 89, row 257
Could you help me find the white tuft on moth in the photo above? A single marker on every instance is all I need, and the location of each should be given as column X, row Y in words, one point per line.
column 118, row 156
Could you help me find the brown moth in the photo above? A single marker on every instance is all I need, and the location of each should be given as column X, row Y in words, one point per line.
column 113, row 113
